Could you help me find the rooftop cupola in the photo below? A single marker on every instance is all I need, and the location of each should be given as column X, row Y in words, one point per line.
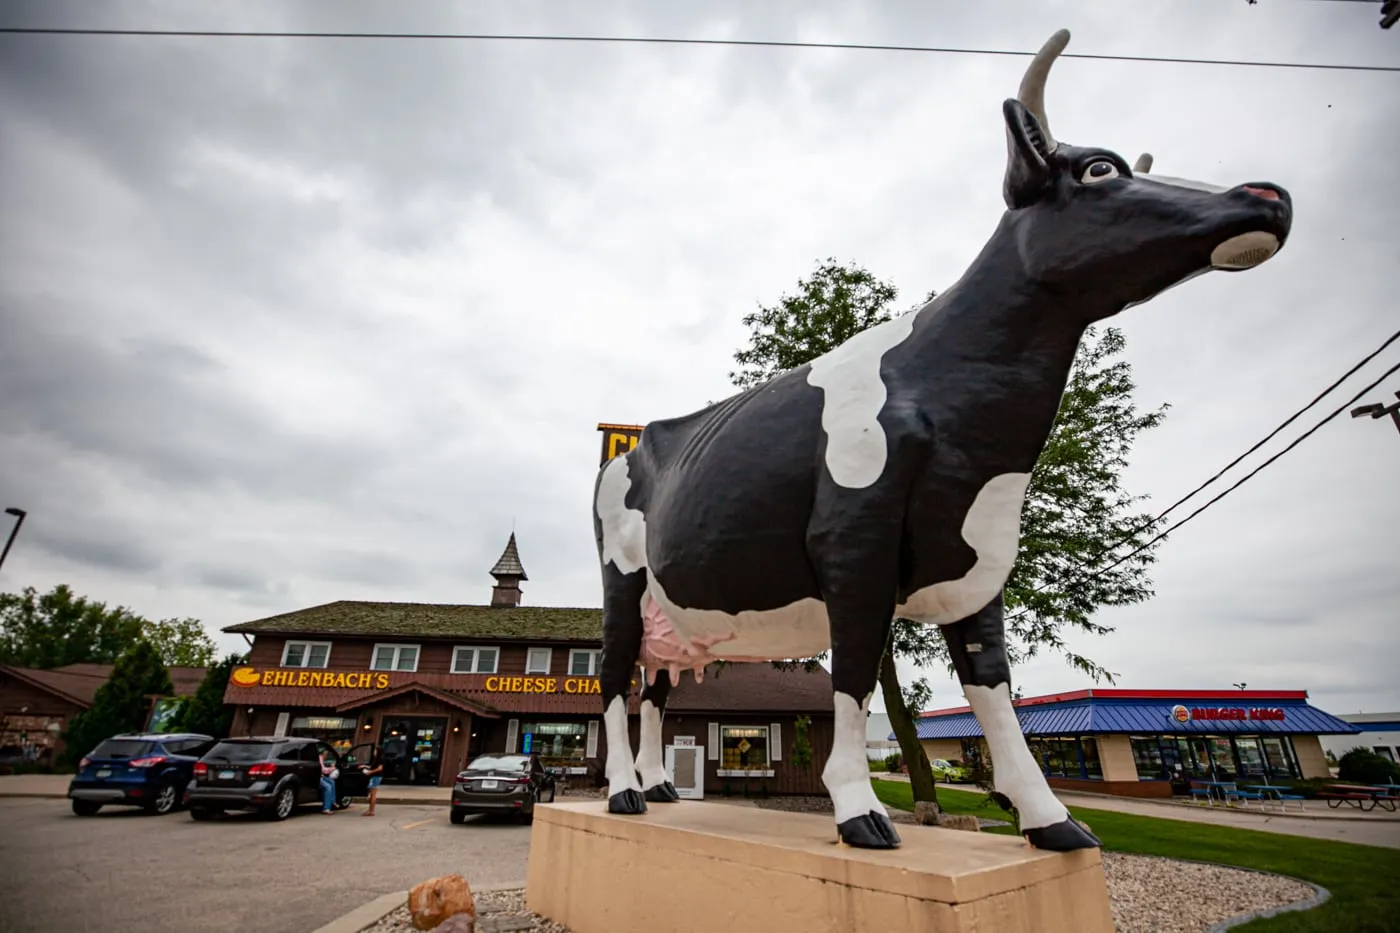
column 508, row 573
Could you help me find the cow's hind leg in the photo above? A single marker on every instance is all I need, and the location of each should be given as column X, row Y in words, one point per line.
column 857, row 643
column 977, row 647
column 622, row 643
column 651, row 764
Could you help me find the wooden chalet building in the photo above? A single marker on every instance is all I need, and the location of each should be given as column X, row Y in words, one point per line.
column 436, row 685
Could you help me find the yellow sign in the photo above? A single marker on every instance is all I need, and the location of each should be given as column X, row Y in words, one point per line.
column 363, row 680
column 575, row 685
column 619, row 439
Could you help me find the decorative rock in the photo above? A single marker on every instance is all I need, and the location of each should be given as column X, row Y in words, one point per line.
column 435, row 900
column 926, row 812
column 964, row 821
column 458, row 923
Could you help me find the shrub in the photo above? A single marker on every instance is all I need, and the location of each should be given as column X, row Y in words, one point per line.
column 893, row 762
column 877, row 765
column 1366, row 767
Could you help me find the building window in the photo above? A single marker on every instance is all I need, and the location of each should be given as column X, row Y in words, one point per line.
column 537, row 660
column 306, row 654
column 583, row 662
column 559, row 744
column 1384, row 751
column 1089, row 752
column 335, row 731
column 1058, row 757
column 395, row 658
column 743, row 748
column 1147, row 755
column 475, row 660
column 1278, row 757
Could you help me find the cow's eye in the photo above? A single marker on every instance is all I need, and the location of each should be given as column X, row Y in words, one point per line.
column 1102, row 170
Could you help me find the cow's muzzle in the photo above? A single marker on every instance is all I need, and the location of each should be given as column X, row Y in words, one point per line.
column 1274, row 219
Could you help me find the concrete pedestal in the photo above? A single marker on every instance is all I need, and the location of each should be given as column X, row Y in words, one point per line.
column 694, row 867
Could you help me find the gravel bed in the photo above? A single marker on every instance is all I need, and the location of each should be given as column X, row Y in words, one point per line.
column 1147, row 894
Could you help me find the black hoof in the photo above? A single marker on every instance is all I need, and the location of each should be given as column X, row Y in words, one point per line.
column 871, row 831
column 1065, row 836
column 665, row 792
column 629, row 801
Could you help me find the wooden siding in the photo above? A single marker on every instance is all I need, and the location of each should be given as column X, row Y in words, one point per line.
column 435, row 657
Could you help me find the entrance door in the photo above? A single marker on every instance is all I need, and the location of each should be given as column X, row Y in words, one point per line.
column 685, row 766
column 412, row 748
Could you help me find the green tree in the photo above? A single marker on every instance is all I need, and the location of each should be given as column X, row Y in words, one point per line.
column 181, row 642
column 122, row 703
column 1076, row 514
column 206, row 712
column 59, row 628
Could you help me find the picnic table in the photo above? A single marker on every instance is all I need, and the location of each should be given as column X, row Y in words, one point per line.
column 1360, row 795
column 1280, row 794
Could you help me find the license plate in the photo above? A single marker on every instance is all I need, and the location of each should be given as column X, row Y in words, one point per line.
column 488, row 785
column 105, row 772
column 227, row 775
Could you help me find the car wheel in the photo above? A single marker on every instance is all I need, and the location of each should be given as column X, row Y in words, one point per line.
column 86, row 807
column 458, row 817
column 166, row 799
column 203, row 813
column 283, row 806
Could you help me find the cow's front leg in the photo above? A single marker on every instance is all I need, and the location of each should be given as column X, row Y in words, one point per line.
column 651, row 764
column 622, row 643
column 857, row 642
column 977, row 647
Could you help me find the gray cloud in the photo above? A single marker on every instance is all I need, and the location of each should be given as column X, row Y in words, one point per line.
column 283, row 322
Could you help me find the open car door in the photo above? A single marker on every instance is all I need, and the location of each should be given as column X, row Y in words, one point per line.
column 353, row 782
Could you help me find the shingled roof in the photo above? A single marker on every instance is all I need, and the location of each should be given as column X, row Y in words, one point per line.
column 433, row 620
column 509, row 565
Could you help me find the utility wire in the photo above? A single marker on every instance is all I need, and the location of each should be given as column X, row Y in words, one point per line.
column 1260, row 443
column 1098, row 572
column 649, row 40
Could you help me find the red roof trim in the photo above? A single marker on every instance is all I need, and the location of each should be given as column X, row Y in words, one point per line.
column 1116, row 694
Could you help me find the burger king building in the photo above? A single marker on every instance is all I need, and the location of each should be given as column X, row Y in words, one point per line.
column 1153, row 743
column 435, row 685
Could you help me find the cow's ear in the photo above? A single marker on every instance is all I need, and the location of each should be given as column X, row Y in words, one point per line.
column 1027, row 156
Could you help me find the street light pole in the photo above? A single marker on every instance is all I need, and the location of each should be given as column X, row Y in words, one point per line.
column 19, row 520
column 1380, row 411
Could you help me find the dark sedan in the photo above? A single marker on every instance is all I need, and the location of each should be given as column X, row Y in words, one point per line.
column 510, row 784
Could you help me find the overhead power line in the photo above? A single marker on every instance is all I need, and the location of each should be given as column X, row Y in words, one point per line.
column 654, row 40
column 1100, row 571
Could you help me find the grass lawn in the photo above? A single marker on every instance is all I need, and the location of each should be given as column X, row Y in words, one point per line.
column 1364, row 880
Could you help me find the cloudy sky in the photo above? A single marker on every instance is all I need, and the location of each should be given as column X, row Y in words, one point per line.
column 289, row 321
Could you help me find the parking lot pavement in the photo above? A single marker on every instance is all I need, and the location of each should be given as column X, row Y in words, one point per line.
column 123, row 871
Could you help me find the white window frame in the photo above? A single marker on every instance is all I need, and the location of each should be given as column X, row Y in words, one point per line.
column 398, row 651
column 306, row 655
column 548, row 660
column 594, row 654
column 766, row 771
column 475, row 667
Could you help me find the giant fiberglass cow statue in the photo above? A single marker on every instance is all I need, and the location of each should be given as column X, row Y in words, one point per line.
column 886, row 478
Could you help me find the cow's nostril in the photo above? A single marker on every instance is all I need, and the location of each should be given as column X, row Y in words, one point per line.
column 1267, row 194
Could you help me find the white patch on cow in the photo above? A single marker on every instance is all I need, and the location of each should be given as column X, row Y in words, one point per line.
column 797, row 630
column 853, row 394
column 847, row 771
column 650, row 762
column 1184, row 183
column 1014, row 771
column 621, row 775
column 992, row 528
column 624, row 529
column 1244, row 251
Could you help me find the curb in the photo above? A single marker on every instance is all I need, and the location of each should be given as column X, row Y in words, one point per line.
column 362, row 916
column 34, row 794
column 1263, row 814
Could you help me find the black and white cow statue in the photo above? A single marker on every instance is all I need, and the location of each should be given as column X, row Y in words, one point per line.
column 886, row 479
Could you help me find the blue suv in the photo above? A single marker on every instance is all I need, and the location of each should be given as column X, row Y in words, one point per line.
column 147, row 771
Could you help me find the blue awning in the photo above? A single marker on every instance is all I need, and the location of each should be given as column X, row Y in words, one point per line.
column 1088, row 717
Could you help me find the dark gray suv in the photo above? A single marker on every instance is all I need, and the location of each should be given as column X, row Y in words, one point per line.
column 272, row 775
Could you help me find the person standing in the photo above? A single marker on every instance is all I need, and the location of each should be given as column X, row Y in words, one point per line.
column 375, row 770
column 329, row 772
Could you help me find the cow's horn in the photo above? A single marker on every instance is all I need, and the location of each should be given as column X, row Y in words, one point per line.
column 1032, row 92
column 1143, row 165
